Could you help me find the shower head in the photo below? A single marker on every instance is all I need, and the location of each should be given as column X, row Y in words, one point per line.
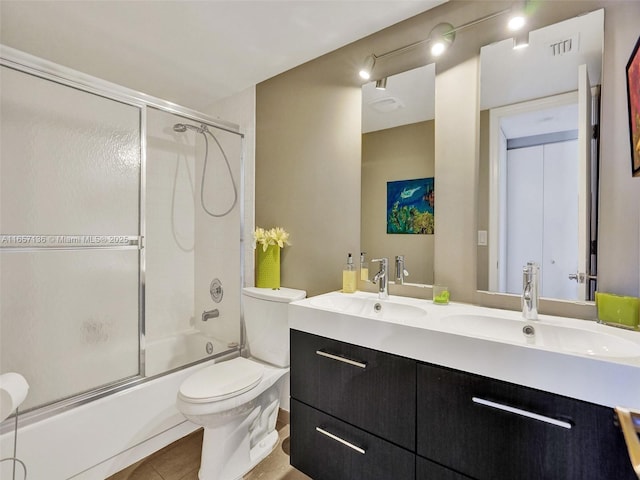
column 183, row 127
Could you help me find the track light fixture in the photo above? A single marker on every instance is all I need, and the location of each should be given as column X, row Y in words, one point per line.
column 367, row 67
column 521, row 40
column 440, row 38
column 516, row 22
column 518, row 15
column 381, row 84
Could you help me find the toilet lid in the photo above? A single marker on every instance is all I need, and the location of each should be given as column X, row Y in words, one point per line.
column 221, row 380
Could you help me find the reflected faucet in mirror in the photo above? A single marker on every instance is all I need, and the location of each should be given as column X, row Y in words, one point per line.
column 401, row 272
column 530, row 274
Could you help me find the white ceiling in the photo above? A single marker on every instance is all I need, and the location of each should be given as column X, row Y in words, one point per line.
column 549, row 120
column 193, row 52
column 409, row 98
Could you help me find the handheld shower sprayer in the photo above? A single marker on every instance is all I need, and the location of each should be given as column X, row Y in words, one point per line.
column 182, row 127
column 202, row 129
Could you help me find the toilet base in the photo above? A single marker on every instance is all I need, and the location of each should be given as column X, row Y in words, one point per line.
column 230, row 451
column 258, row 453
column 263, row 449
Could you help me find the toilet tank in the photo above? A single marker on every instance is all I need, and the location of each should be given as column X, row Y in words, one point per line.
column 266, row 322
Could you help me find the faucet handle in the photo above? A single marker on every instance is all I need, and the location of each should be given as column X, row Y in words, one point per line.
column 384, row 268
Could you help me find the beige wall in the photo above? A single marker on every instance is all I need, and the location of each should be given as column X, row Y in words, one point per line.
column 400, row 153
column 308, row 152
column 619, row 215
column 308, row 172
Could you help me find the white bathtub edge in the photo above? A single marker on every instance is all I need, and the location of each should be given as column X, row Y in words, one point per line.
column 135, row 454
column 76, row 443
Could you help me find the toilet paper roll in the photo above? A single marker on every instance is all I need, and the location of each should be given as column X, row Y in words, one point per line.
column 13, row 391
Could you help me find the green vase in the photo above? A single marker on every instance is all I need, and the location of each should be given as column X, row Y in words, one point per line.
column 268, row 267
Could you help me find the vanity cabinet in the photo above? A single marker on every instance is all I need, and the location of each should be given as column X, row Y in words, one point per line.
column 427, row 470
column 326, row 448
column 492, row 430
column 352, row 411
column 357, row 413
column 371, row 390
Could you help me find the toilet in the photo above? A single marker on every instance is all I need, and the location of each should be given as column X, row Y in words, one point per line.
column 237, row 401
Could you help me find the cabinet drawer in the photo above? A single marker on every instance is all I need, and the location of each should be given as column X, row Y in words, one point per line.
column 325, row 448
column 492, row 430
column 372, row 390
column 426, row 470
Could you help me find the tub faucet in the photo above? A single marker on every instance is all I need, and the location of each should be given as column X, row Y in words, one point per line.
column 381, row 276
column 207, row 314
column 401, row 272
column 530, row 291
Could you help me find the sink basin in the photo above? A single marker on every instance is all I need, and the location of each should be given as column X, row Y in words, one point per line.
column 368, row 306
column 550, row 336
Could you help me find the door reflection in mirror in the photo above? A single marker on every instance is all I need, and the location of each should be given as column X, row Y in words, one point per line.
column 538, row 173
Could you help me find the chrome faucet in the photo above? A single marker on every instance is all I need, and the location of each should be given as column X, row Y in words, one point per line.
column 530, row 274
column 207, row 314
column 381, row 276
column 401, row 272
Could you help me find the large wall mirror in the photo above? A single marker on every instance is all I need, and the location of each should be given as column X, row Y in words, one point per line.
column 537, row 194
column 398, row 176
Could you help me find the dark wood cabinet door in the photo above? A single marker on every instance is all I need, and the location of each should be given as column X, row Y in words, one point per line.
column 427, row 470
column 326, row 448
column 372, row 390
column 493, row 430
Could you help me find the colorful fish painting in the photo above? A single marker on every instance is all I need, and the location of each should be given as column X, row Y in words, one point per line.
column 410, row 206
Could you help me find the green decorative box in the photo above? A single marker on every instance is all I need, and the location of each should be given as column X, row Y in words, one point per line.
column 618, row 310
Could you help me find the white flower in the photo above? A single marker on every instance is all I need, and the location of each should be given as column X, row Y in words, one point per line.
column 275, row 236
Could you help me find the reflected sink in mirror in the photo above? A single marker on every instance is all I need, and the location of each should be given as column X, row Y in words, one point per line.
column 545, row 335
column 368, row 305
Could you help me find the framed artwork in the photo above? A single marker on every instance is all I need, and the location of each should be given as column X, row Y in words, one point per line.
column 410, row 206
column 633, row 101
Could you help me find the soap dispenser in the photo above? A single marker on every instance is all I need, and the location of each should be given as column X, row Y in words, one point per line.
column 349, row 276
column 364, row 267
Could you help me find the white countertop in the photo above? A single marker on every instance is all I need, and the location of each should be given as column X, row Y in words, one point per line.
column 608, row 381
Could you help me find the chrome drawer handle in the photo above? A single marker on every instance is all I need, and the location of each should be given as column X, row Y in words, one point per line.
column 524, row 413
column 355, row 363
column 344, row 442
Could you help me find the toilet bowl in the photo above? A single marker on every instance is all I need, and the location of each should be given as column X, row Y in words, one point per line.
column 237, row 401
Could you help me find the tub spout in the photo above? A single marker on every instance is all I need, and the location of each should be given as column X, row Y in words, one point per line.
column 207, row 314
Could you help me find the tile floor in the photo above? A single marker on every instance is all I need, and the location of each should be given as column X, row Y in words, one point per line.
column 181, row 460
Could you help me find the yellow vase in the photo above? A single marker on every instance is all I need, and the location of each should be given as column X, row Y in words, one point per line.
column 268, row 267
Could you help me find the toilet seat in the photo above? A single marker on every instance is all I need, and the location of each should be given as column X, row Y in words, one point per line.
column 221, row 380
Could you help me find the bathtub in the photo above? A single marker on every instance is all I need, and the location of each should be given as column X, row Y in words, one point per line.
column 167, row 353
column 100, row 438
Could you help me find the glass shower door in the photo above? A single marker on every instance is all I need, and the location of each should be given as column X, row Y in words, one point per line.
column 70, row 237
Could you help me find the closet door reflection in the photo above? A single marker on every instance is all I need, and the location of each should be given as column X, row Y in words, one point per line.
column 542, row 207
